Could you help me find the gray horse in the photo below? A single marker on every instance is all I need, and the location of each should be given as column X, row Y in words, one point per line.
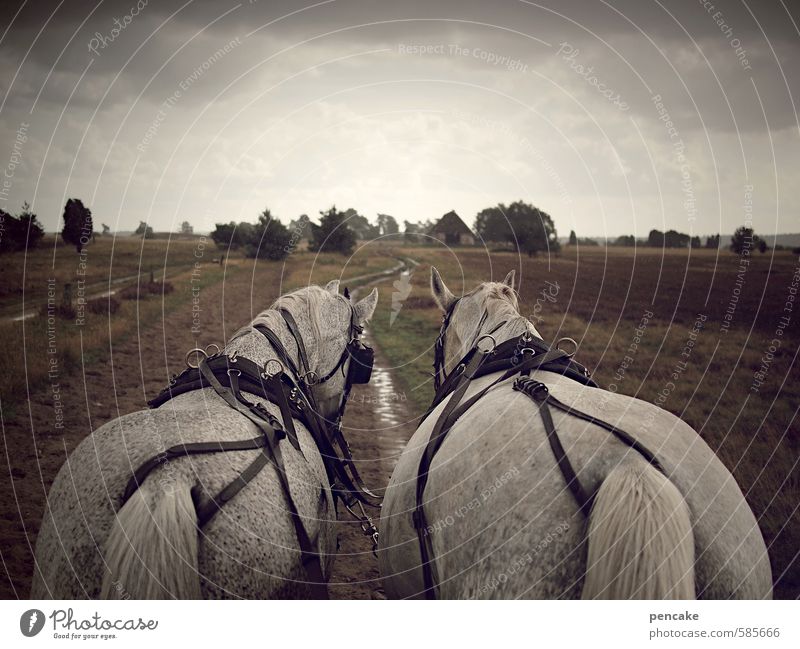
column 504, row 525
column 152, row 547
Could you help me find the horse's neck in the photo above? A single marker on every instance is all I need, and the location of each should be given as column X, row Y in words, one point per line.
column 508, row 324
column 252, row 344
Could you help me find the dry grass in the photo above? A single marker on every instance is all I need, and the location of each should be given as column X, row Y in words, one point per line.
column 41, row 343
column 602, row 294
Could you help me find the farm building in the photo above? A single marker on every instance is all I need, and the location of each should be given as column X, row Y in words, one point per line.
column 450, row 229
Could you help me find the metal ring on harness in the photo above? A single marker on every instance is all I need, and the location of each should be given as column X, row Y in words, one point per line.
column 266, row 374
column 491, row 349
column 304, row 378
column 208, row 355
column 196, row 350
column 569, row 340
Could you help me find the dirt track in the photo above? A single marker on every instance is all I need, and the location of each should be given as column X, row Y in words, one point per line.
column 137, row 369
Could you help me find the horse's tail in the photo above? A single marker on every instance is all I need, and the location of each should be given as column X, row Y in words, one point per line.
column 640, row 538
column 151, row 552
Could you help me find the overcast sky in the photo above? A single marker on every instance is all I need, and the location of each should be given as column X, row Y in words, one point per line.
column 211, row 111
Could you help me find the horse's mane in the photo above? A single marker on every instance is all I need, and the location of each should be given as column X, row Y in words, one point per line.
column 306, row 301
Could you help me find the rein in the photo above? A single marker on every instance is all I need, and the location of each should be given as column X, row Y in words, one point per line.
column 229, row 376
column 518, row 356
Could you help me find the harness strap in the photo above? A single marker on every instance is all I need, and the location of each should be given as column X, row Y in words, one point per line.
column 291, row 323
column 280, row 350
column 310, row 558
column 435, row 440
column 531, row 386
column 538, row 392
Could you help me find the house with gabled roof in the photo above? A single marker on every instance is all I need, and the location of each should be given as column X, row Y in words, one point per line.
column 452, row 230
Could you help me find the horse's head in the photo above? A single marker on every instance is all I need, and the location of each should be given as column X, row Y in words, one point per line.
column 484, row 310
column 327, row 326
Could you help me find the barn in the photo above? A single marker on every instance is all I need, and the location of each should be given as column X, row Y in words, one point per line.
column 450, row 229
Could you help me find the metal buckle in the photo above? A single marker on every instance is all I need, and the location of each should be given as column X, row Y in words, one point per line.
column 487, row 351
column 303, row 378
column 569, row 340
column 267, row 374
column 200, row 352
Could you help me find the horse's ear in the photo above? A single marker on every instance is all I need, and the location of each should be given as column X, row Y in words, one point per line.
column 366, row 307
column 509, row 280
column 333, row 286
column 444, row 298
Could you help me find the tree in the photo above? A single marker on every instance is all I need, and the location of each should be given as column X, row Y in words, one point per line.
column 267, row 239
column 143, row 230
column 333, row 235
column 413, row 232
column 106, row 229
column 523, row 225
column 186, row 228
column 712, row 241
column 743, row 240
column 573, row 239
column 226, row 235
column 387, row 225
column 492, row 225
column 77, row 224
column 627, row 240
column 31, row 232
column 360, row 225
column 655, row 239
column 21, row 232
column 762, row 245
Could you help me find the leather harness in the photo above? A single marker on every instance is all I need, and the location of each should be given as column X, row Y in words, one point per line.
column 232, row 375
column 518, row 356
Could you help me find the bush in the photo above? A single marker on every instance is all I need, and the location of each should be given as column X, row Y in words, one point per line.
column 103, row 305
column 19, row 232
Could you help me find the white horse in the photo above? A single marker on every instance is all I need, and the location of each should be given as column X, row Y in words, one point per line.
column 504, row 525
column 152, row 547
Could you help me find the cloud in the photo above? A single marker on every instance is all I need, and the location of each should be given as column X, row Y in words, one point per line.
column 410, row 108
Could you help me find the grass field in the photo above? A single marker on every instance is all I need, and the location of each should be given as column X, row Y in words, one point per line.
column 595, row 295
column 107, row 260
column 598, row 297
